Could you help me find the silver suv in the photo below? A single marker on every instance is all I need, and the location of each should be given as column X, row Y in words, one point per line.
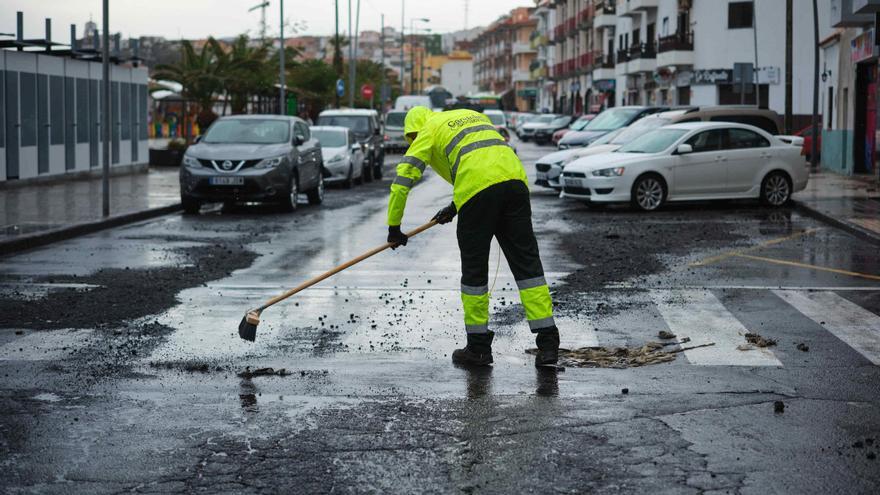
column 252, row 158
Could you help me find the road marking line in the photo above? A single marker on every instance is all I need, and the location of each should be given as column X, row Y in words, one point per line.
column 704, row 319
column 835, row 288
column 810, row 267
column 772, row 242
column 847, row 321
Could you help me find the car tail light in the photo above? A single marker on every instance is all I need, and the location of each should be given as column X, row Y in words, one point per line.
column 387, row 138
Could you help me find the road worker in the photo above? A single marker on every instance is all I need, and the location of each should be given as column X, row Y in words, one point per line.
column 491, row 198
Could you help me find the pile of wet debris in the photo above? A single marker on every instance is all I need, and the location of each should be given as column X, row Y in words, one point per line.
column 625, row 357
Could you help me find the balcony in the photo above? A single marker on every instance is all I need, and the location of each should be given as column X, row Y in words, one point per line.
column 570, row 65
column 522, row 47
column 677, row 49
column 585, row 62
column 634, row 7
column 571, row 27
column 603, row 66
column 539, row 73
column 585, row 16
column 642, row 58
column 521, row 75
column 559, row 32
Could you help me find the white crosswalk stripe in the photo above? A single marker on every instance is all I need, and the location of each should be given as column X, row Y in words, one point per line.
column 699, row 315
column 848, row 321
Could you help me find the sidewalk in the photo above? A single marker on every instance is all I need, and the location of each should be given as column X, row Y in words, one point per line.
column 851, row 203
column 36, row 214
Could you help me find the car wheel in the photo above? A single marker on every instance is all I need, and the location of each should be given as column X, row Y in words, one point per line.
column 776, row 189
column 289, row 201
column 316, row 195
column 649, row 192
column 367, row 170
column 191, row 206
column 360, row 180
column 349, row 181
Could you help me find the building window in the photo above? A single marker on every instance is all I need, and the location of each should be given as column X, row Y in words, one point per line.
column 739, row 15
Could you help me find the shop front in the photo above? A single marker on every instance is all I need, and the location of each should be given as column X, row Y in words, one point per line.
column 863, row 55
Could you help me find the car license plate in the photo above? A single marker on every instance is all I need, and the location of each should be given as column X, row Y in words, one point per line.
column 541, row 175
column 573, row 182
column 227, row 181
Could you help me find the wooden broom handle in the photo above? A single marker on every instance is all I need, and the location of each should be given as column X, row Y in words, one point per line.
column 347, row 264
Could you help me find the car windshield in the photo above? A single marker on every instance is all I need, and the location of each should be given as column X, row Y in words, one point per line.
column 357, row 123
column 395, row 119
column 606, row 138
column 250, row 131
column 544, row 119
column 638, row 128
column 579, row 124
column 526, row 117
column 613, row 118
column 329, row 139
column 496, row 118
column 653, row 142
column 561, row 121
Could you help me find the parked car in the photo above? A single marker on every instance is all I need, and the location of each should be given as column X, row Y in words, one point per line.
column 252, row 158
column 607, row 121
column 577, row 125
column 690, row 161
column 499, row 121
column 807, row 149
column 365, row 125
column 550, row 168
column 521, row 120
column 395, row 140
column 542, row 128
column 343, row 157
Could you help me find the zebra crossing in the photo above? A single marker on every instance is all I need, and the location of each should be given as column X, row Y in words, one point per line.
column 701, row 315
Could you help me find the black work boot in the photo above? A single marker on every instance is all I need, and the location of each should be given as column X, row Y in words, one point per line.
column 477, row 352
column 548, row 347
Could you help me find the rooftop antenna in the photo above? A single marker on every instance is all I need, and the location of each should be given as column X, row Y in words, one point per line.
column 262, row 8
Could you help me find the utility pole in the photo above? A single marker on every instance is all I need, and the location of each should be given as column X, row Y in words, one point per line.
column 382, row 75
column 757, row 70
column 337, row 53
column 815, row 124
column 788, row 66
column 402, row 43
column 357, row 31
column 105, row 118
column 350, row 60
column 282, row 102
column 262, row 6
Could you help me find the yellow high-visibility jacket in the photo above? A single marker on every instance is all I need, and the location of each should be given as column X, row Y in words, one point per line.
column 462, row 146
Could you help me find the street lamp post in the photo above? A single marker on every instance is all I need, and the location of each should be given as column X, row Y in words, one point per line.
column 412, row 53
column 105, row 118
column 282, row 102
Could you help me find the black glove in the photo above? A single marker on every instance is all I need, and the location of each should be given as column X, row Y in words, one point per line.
column 396, row 237
column 446, row 214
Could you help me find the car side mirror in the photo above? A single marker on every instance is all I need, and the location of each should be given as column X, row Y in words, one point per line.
column 355, row 146
column 377, row 131
column 299, row 139
column 684, row 149
column 197, row 139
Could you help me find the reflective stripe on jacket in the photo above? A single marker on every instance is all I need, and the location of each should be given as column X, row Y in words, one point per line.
column 463, row 147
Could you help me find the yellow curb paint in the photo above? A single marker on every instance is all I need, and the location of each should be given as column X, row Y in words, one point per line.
column 809, row 267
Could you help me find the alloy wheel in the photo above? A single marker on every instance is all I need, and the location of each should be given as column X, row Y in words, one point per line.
column 320, row 187
column 776, row 190
column 294, row 192
column 649, row 193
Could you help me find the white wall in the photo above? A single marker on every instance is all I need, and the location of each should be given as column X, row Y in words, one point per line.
column 457, row 76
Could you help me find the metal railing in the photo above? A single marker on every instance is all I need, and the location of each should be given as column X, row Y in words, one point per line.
column 678, row 41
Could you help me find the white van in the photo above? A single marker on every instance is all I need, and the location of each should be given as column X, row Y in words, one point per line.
column 406, row 102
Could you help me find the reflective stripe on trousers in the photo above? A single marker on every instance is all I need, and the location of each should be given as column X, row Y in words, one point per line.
column 475, row 301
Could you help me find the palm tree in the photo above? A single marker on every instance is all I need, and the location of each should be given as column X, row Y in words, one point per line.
column 245, row 71
column 196, row 71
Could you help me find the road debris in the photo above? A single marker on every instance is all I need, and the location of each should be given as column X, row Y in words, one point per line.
column 663, row 334
column 803, row 347
column 779, row 407
column 619, row 357
column 759, row 341
column 247, row 373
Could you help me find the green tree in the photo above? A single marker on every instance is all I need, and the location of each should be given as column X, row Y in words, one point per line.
column 244, row 71
column 196, row 71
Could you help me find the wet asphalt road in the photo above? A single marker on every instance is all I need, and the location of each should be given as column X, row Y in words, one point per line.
column 121, row 366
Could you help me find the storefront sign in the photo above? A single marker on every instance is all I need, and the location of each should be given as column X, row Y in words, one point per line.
column 862, row 46
column 604, row 84
column 768, row 75
column 527, row 92
column 684, row 78
column 712, row 76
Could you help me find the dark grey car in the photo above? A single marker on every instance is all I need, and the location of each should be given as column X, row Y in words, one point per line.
column 267, row 158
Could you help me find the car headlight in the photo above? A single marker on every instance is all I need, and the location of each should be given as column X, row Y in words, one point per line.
column 191, row 162
column 270, row 162
column 609, row 172
column 557, row 164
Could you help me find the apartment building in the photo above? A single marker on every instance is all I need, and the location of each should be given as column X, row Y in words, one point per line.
column 572, row 41
column 542, row 65
column 503, row 56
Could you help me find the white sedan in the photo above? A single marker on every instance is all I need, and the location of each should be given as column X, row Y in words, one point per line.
column 342, row 154
column 688, row 162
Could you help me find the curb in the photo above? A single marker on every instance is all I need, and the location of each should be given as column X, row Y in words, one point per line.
column 45, row 237
column 853, row 229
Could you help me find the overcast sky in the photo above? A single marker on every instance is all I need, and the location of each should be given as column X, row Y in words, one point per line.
column 200, row 18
